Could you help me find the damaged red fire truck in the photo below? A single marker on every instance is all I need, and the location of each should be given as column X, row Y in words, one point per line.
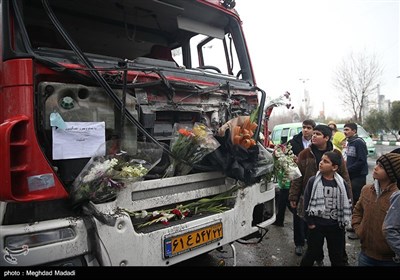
column 76, row 76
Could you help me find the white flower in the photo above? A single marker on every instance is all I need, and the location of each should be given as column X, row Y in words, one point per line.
column 285, row 164
column 130, row 171
column 143, row 214
column 166, row 217
column 99, row 169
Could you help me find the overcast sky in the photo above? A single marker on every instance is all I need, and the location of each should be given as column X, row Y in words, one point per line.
column 307, row 39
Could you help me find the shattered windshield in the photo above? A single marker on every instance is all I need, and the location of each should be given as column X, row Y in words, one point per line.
column 188, row 34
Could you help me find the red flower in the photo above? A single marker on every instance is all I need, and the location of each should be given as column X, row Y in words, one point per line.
column 177, row 213
column 186, row 213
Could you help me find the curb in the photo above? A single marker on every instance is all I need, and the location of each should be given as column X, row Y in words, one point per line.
column 387, row 143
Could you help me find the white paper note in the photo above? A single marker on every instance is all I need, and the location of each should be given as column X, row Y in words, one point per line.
column 79, row 140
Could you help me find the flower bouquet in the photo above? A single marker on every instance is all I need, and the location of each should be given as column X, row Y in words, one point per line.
column 188, row 147
column 285, row 166
column 242, row 131
column 216, row 204
column 243, row 134
column 103, row 176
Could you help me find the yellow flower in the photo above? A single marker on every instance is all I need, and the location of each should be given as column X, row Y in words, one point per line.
column 200, row 131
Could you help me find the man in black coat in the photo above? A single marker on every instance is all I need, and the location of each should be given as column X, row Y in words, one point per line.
column 356, row 154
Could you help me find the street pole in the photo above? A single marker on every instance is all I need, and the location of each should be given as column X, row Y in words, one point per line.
column 306, row 98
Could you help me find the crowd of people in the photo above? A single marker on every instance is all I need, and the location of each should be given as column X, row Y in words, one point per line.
column 332, row 197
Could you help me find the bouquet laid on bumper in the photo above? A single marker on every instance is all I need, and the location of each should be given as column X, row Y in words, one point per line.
column 188, row 147
column 104, row 176
column 215, row 204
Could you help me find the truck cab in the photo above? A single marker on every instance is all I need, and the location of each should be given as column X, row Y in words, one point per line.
column 136, row 68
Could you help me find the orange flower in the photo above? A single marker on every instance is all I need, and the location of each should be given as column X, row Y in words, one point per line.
column 185, row 132
column 242, row 134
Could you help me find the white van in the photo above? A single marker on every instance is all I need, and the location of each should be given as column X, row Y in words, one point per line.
column 282, row 133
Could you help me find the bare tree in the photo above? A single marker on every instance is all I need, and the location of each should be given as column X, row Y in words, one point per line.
column 356, row 78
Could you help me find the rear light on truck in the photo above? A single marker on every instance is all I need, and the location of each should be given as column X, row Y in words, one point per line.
column 25, row 172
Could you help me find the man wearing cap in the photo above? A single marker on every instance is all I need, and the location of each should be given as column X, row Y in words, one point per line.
column 370, row 212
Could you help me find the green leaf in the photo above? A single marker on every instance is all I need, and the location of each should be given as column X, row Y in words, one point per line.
column 254, row 115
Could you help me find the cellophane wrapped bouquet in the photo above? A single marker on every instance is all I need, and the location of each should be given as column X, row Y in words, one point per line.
column 104, row 176
column 285, row 166
column 188, row 147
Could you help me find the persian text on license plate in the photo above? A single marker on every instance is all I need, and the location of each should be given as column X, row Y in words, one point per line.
column 179, row 244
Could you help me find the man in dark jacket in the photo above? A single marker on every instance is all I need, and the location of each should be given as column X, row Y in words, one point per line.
column 302, row 140
column 355, row 154
column 298, row 143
